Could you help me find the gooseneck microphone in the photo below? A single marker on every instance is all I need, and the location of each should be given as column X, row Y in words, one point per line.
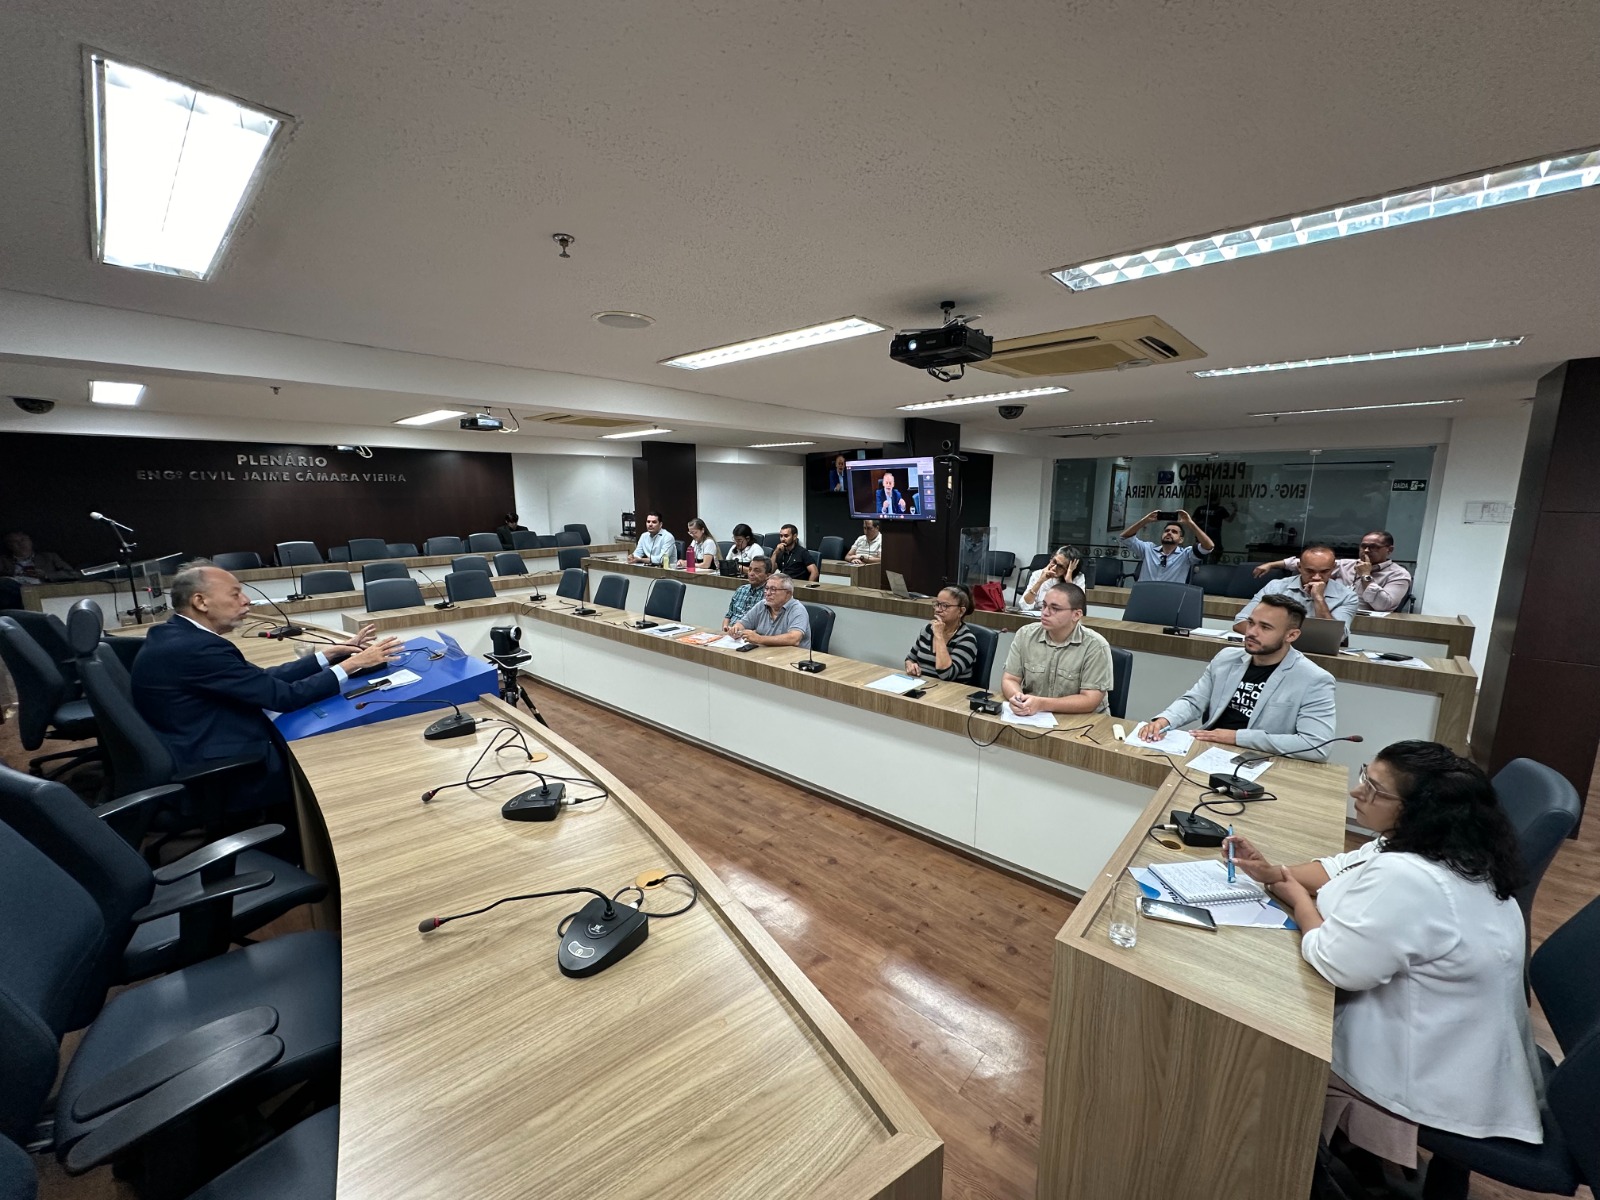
column 445, row 602
column 457, row 725
column 429, row 924
column 547, row 790
column 95, row 516
column 1249, row 789
column 811, row 666
column 288, row 629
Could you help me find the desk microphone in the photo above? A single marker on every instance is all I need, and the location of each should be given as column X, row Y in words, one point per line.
column 457, row 725
column 289, row 629
column 444, row 603
column 811, row 666
column 94, row 516
column 1248, row 789
column 298, row 593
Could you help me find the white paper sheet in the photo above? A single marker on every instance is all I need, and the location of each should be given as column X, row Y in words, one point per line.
column 726, row 643
column 1042, row 720
column 896, row 685
column 397, row 679
column 1219, row 760
column 666, row 631
column 1243, row 914
column 1173, row 741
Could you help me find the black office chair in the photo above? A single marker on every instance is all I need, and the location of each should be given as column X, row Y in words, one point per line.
column 1034, row 564
column 1159, row 603
column 1107, row 570
column 581, row 530
column 1245, row 584
column 442, row 545
column 999, row 564
column 367, row 549
column 569, row 557
column 524, row 539
column 831, row 547
column 821, row 617
column 724, row 548
column 327, row 581
column 770, row 541
column 338, row 554
column 298, row 554
column 545, row 541
column 571, row 537
column 1543, row 807
column 44, row 709
column 1121, row 680
column 665, row 600
column 1214, row 579
column 471, row 562
column 509, row 562
column 468, row 585
column 403, row 550
column 374, row 571
column 484, row 543
column 86, row 638
column 983, row 665
column 382, row 594
column 50, row 633
column 815, row 558
column 574, row 583
column 612, row 592
column 237, row 560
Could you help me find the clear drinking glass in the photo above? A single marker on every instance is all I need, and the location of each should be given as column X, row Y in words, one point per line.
column 1125, row 911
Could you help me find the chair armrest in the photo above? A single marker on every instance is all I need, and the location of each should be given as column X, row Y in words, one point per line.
column 233, row 885
column 220, row 767
column 219, row 851
column 132, row 800
column 172, row 1058
column 179, row 1096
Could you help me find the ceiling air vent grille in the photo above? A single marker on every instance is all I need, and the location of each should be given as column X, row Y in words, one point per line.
column 589, row 422
column 1113, row 346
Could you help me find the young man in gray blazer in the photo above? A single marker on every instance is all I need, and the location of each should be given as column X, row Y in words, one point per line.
column 1266, row 696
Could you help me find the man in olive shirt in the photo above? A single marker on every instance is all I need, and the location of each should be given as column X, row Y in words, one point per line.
column 1058, row 665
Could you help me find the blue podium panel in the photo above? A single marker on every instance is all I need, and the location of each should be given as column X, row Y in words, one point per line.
column 448, row 676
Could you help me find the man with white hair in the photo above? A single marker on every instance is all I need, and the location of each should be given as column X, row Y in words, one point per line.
column 779, row 620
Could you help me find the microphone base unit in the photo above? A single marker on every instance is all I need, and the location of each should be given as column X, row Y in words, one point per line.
column 535, row 804
column 455, row 725
column 640, row 624
column 583, row 611
column 444, row 604
column 594, row 942
column 811, row 667
column 296, row 597
column 283, row 631
column 1197, row 831
column 1179, row 630
column 988, row 706
column 1239, row 789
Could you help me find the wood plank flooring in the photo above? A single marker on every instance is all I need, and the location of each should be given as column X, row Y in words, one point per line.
column 941, row 964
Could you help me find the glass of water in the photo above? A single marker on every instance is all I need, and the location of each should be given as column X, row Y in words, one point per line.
column 1125, row 911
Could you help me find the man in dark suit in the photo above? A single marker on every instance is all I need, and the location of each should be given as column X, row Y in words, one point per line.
column 201, row 697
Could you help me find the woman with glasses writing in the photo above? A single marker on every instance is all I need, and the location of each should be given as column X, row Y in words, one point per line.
column 946, row 648
column 1419, row 932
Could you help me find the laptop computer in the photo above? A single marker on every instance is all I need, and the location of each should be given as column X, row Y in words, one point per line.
column 897, row 585
column 1320, row 636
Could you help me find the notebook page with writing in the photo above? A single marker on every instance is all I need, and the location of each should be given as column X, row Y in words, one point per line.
column 1205, row 882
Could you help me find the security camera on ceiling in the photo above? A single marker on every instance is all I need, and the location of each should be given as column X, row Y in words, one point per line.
column 33, row 405
column 1011, row 412
column 955, row 343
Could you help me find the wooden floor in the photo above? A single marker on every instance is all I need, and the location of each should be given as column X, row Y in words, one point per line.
column 941, row 965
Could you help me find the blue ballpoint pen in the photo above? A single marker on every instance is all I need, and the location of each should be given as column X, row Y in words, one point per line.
column 1230, row 853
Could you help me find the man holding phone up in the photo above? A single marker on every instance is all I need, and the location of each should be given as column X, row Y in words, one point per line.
column 1170, row 561
column 1380, row 583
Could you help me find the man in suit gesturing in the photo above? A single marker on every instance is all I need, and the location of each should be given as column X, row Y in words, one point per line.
column 201, row 697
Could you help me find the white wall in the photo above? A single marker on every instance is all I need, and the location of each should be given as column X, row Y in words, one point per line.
column 1019, row 504
column 1482, row 461
column 557, row 490
column 761, row 495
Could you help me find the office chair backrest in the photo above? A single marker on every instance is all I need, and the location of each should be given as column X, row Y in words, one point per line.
column 237, row 560
column 1121, row 680
column 18, row 1179
column 983, row 665
column 612, row 592
column 1034, row 564
column 298, row 554
column 665, row 599
column 50, row 633
column 372, row 572
column 1160, row 603
column 484, row 543
column 1214, row 579
column 86, row 634
column 403, row 550
column 1566, row 977
column 509, row 562
column 332, row 579
column 1543, row 808
column 1105, row 570
column 367, row 549
column 581, row 530
column 998, row 564
column 338, row 554
column 821, row 617
column 723, row 548
column 137, row 757
column 814, row 557
column 470, row 562
column 384, row 594
column 524, row 539
column 1245, row 584
column 442, row 545
column 831, row 547
column 468, row 585
column 41, row 690
column 574, row 583
column 770, row 541
column 545, row 541
column 571, row 556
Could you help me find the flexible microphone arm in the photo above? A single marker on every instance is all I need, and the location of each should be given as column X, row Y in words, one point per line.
column 429, row 924
column 429, row 703
column 1242, row 761
column 95, row 516
column 472, row 783
column 289, row 629
column 445, row 601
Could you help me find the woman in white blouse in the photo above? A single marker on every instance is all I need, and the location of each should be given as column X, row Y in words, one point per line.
column 1419, row 932
column 705, row 546
column 1065, row 564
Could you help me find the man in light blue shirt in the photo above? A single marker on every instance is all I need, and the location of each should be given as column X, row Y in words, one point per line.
column 779, row 620
column 1315, row 588
column 653, row 543
column 1171, row 560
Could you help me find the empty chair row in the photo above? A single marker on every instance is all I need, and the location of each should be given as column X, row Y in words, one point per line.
column 308, row 554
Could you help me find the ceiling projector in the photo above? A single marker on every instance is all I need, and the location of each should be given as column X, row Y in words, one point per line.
column 483, row 423
column 951, row 345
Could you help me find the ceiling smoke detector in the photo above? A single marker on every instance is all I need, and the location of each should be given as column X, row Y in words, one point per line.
column 616, row 318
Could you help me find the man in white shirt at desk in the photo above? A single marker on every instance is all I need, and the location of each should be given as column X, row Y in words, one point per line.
column 780, row 620
column 868, row 548
column 653, row 543
column 1314, row 589
column 1170, row 561
column 1380, row 583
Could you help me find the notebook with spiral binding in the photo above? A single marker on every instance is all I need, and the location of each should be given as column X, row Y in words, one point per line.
column 1205, row 883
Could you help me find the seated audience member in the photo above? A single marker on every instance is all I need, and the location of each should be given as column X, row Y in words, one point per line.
column 654, row 543
column 1314, row 590
column 1419, row 931
column 1380, row 583
column 1171, row 560
column 1264, row 696
column 21, row 562
column 508, row 525
column 779, row 620
column 747, row 595
column 791, row 558
column 946, row 648
column 888, row 500
column 1065, row 564
column 201, row 697
column 705, row 546
column 868, row 548
column 745, row 546
column 1059, row 665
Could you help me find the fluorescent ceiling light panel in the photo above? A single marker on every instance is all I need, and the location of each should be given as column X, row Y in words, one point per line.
column 633, row 433
column 1340, row 360
column 122, row 395
column 777, row 445
column 1091, row 425
column 778, row 343
column 1485, row 189
column 173, row 168
column 1300, row 412
column 432, row 418
column 990, row 398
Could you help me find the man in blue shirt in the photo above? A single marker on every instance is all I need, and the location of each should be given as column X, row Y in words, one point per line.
column 653, row 543
column 1316, row 588
column 1170, row 561
column 748, row 595
column 889, row 501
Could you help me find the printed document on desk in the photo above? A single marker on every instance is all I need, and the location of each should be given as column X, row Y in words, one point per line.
column 1042, row 720
column 1173, row 741
column 1218, row 760
column 1258, row 914
column 895, row 685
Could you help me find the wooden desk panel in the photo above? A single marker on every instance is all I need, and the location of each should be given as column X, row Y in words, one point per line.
column 703, row 1065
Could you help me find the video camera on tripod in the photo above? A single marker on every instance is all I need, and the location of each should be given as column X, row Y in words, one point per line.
column 507, row 656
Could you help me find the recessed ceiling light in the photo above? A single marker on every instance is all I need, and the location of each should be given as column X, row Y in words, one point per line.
column 778, row 343
column 617, row 319
column 633, row 433
column 1339, row 360
column 776, row 445
column 432, row 418
column 1468, row 193
column 988, row 398
column 172, row 167
column 122, row 395
column 1091, row 425
column 1300, row 412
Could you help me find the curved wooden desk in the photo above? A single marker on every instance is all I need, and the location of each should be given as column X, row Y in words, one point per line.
column 703, row 1065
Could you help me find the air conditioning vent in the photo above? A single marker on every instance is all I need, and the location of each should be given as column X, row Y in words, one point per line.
column 1113, row 346
column 589, row 422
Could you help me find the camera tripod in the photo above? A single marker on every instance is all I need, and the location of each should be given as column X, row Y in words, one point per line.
column 511, row 689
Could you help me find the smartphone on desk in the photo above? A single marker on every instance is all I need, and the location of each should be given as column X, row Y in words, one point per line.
column 1178, row 914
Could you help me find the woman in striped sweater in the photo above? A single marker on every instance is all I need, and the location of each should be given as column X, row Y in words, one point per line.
column 946, row 649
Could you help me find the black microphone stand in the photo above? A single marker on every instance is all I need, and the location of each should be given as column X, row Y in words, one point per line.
column 125, row 550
